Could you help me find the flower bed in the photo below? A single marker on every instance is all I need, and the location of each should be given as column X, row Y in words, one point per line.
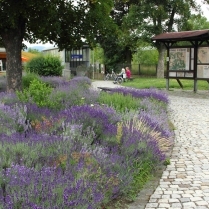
column 76, row 150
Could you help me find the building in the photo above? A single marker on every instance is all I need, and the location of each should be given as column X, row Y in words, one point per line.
column 3, row 59
column 72, row 60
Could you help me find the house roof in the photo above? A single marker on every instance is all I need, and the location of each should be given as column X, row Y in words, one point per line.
column 25, row 56
column 182, row 36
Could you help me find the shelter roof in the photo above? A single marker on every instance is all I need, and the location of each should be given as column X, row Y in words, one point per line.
column 182, row 36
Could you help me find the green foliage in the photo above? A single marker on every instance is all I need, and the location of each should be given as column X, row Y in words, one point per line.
column 97, row 54
column 34, row 51
column 37, row 92
column 120, row 102
column 55, row 154
column 35, row 65
column 195, row 22
column 84, row 20
column 27, row 78
column 141, row 20
column 45, row 66
column 143, row 172
column 60, row 22
column 146, row 56
column 167, row 161
column 53, row 66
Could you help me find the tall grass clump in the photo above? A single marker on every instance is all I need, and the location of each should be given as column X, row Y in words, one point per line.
column 75, row 147
column 119, row 101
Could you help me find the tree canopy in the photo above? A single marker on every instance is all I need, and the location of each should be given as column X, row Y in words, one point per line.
column 195, row 22
column 140, row 20
column 152, row 17
column 61, row 22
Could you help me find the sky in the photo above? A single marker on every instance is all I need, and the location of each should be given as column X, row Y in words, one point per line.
column 205, row 8
column 40, row 47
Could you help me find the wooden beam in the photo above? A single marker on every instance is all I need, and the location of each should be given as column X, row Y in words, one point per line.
column 180, row 84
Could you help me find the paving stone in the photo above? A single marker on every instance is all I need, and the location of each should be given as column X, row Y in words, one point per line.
column 202, row 203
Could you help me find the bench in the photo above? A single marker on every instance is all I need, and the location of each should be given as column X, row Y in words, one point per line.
column 105, row 88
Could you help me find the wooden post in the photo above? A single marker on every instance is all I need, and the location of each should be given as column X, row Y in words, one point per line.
column 180, row 84
column 167, row 83
column 195, row 65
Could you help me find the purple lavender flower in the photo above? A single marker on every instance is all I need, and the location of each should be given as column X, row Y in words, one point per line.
column 141, row 93
column 55, row 81
column 77, row 163
column 102, row 119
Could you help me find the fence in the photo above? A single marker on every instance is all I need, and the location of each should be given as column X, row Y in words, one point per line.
column 136, row 70
column 139, row 69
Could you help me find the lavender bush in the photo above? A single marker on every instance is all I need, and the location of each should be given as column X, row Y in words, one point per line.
column 75, row 92
column 76, row 152
column 101, row 120
column 143, row 93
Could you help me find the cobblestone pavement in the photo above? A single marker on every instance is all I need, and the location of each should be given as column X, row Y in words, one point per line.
column 184, row 184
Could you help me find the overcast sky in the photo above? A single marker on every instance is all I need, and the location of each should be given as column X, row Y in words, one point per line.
column 204, row 7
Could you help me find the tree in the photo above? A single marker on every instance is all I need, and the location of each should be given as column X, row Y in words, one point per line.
column 34, row 51
column 60, row 22
column 97, row 54
column 152, row 17
column 146, row 56
column 117, row 43
column 195, row 22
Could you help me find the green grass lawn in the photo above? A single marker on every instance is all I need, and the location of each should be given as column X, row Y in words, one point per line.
column 160, row 83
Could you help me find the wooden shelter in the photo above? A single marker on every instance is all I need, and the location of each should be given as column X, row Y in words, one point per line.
column 187, row 55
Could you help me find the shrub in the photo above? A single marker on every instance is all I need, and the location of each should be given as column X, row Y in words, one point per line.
column 143, row 93
column 54, row 81
column 38, row 92
column 26, row 79
column 101, row 120
column 75, row 92
column 35, row 65
column 45, row 66
column 13, row 118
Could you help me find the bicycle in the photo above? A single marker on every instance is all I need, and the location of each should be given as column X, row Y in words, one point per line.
column 119, row 80
column 111, row 76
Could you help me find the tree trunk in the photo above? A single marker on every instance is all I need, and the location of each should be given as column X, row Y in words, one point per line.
column 13, row 46
column 160, row 66
column 128, row 56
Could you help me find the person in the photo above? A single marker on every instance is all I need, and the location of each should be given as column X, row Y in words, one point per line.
column 122, row 74
column 128, row 73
